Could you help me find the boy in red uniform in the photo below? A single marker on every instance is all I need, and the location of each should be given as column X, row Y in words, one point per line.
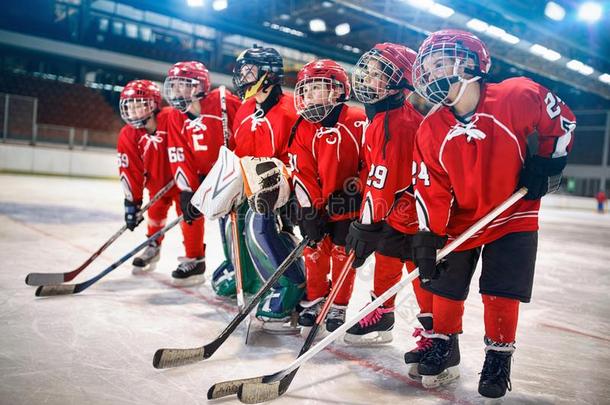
column 195, row 136
column 143, row 163
column 382, row 80
column 471, row 155
column 324, row 154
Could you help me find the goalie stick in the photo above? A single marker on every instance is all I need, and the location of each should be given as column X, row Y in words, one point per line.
column 66, row 289
column 241, row 302
column 271, row 386
column 165, row 358
column 36, row 279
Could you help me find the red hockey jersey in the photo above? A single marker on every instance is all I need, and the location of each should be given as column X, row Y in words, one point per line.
column 264, row 135
column 464, row 170
column 193, row 144
column 322, row 159
column 142, row 158
column 385, row 195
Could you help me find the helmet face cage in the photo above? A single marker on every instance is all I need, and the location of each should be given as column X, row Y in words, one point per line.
column 245, row 75
column 439, row 66
column 180, row 92
column 315, row 98
column 136, row 111
column 374, row 76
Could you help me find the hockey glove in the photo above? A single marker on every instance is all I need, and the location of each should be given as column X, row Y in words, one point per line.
column 541, row 176
column 189, row 212
column 425, row 244
column 363, row 240
column 312, row 223
column 393, row 243
column 132, row 214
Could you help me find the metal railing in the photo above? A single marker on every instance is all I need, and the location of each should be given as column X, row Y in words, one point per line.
column 19, row 123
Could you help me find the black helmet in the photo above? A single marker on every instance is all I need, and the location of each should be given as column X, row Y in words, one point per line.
column 269, row 71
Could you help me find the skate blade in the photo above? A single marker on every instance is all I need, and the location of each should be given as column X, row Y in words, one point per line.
column 434, row 381
column 188, row 282
column 322, row 332
column 370, row 339
column 280, row 328
column 136, row 270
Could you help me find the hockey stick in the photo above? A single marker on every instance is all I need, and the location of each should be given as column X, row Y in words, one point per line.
column 271, row 386
column 65, row 289
column 165, row 358
column 241, row 302
column 36, row 279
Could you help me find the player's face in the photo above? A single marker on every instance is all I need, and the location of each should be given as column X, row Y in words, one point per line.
column 316, row 92
column 375, row 77
column 248, row 74
column 438, row 66
column 134, row 111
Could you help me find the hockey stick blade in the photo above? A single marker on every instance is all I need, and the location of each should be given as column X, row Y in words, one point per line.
column 269, row 387
column 59, row 289
column 36, row 279
column 225, row 388
column 66, row 289
column 165, row 358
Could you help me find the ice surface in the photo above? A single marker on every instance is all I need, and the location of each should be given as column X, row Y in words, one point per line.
column 97, row 347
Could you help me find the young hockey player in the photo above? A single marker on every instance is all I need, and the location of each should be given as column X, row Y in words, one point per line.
column 143, row 163
column 261, row 130
column 195, row 136
column 382, row 80
column 471, row 155
column 324, row 157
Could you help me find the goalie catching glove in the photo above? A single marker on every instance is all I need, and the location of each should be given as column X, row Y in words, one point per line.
column 266, row 183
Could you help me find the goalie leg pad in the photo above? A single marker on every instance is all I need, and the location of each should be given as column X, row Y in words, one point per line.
column 268, row 247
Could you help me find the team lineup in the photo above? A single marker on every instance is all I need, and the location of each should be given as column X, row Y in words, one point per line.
column 306, row 188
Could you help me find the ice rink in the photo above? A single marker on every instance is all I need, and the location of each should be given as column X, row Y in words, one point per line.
column 97, row 347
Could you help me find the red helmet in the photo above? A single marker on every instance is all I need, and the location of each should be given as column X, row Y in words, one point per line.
column 138, row 102
column 186, row 82
column 460, row 53
column 321, row 85
column 384, row 68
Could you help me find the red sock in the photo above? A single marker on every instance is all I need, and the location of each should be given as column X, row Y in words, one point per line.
column 501, row 316
column 447, row 315
column 424, row 298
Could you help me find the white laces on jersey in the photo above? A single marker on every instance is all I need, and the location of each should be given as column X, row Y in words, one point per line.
column 469, row 130
column 322, row 131
column 153, row 140
column 197, row 123
column 257, row 119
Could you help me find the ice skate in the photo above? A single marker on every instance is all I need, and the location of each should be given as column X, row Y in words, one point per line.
column 495, row 376
column 413, row 357
column 281, row 326
column 335, row 317
column 439, row 364
column 189, row 272
column 373, row 329
column 147, row 261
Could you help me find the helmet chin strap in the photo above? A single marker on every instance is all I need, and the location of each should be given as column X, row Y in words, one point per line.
column 463, row 83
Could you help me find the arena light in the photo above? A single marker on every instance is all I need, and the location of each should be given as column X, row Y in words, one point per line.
column 477, row 25
column 580, row 67
column 590, row 12
column 605, row 78
column 194, row 3
column 545, row 52
column 220, row 5
column 342, row 29
column 317, row 25
column 554, row 11
column 440, row 10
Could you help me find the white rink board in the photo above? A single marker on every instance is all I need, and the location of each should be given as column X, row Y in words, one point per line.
column 97, row 347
